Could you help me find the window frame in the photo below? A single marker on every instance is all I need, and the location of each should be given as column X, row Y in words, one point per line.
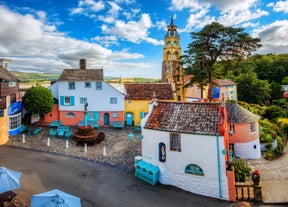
column 87, row 84
column 113, row 100
column 83, row 98
column 98, row 86
column 71, row 85
column 175, row 142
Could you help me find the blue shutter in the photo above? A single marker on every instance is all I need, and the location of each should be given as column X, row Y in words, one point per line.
column 96, row 115
column 62, row 100
column 72, row 103
column 142, row 115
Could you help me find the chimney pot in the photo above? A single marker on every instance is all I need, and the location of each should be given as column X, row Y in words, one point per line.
column 82, row 64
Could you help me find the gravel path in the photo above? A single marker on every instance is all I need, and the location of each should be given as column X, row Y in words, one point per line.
column 120, row 150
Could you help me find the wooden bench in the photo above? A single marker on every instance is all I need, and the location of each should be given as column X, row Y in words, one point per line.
column 117, row 124
column 6, row 197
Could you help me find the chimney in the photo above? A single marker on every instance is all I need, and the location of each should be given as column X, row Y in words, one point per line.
column 82, row 64
column 5, row 63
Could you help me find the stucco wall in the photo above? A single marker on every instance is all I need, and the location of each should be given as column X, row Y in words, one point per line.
column 4, row 128
column 242, row 133
column 195, row 149
column 135, row 107
column 248, row 150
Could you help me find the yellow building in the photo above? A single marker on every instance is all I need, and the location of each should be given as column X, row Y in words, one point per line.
column 3, row 127
column 172, row 70
column 138, row 97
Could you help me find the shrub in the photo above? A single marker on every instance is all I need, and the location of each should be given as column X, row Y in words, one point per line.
column 273, row 112
column 241, row 170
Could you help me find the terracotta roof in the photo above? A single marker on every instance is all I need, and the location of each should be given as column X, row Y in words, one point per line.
column 7, row 76
column 225, row 82
column 147, row 91
column 81, row 75
column 185, row 117
column 239, row 115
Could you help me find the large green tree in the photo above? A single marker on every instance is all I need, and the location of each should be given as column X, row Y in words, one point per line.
column 252, row 90
column 213, row 43
column 38, row 100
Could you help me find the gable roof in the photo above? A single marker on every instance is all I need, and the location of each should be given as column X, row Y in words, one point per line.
column 185, row 117
column 221, row 82
column 147, row 91
column 7, row 76
column 81, row 75
column 239, row 115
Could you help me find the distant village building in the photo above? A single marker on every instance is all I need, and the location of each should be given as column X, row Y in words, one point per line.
column 75, row 88
column 10, row 105
column 224, row 90
column 139, row 95
column 244, row 137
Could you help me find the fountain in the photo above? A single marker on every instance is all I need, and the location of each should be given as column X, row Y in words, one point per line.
column 87, row 134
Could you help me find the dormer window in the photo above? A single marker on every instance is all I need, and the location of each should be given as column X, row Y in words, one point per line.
column 252, row 127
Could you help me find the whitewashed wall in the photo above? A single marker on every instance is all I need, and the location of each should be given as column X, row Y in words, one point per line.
column 195, row 149
column 54, row 89
column 98, row 100
column 246, row 150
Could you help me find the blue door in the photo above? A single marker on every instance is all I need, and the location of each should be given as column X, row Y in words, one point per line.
column 106, row 119
column 129, row 119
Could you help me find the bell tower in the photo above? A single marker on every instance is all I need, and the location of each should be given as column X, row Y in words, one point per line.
column 172, row 70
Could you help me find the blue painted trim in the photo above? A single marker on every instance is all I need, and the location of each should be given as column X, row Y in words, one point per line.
column 218, row 165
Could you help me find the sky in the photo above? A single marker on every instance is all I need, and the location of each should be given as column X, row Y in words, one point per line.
column 124, row 37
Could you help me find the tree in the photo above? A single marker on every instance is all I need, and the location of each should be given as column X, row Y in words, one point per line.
column 252, row 90
column 38, row 100
column 213, row 43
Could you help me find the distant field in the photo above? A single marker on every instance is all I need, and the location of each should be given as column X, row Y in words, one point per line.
column 44, row 79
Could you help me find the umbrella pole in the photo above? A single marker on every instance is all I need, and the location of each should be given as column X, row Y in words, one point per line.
column 23, row 138
column 85, row 147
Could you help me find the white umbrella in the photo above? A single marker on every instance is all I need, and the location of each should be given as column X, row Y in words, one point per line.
column 9, row 180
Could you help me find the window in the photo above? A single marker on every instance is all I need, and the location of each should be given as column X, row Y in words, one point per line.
column 83, row 100
column 67, row 100
column 87, row 84
column 1, row 113
column 11, row 84
column 143, row 114
column 162, row 152
column 14, row 121
column 98, row 85
column 175, row 142
column 194, row 169
column 71, row 85
column 113, row 100
column 231, row 128
column 70, row 115
column 114, row 114
column 252, row 127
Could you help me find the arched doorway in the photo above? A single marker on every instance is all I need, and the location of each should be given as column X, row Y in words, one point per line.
column 106, row 119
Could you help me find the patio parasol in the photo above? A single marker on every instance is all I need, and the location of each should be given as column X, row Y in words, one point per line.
column 55, row 198
column 9, row 180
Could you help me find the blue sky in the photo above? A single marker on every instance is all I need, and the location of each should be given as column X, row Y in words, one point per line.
column 124, row 37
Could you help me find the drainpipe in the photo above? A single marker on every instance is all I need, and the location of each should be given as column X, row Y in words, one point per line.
column 218, row 165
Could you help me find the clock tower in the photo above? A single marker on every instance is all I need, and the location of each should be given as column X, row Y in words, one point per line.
column 172, row 70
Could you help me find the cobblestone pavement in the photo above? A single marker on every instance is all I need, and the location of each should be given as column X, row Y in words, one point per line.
column 275, row 170
column 120, row 150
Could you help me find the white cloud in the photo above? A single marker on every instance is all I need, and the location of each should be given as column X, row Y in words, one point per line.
column 115, row 8
column 235, row 5
column 274, row 37
column 87, row 6
column 132, row 31
column 35, row 46
column 280, row 6
column 193, row 5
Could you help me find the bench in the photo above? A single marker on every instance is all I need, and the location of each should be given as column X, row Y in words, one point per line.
column 138, row 127
column 37, row 130
column 21, row 128
column 117, row 124
column 55, row 124
column 7, row 196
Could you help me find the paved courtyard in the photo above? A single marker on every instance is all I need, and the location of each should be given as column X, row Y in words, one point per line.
column 117, row 149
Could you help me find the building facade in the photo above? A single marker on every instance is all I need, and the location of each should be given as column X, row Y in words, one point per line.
column 77, row 87
column 188, row 142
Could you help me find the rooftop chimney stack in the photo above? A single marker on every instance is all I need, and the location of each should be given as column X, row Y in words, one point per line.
column 82, row 64
column 5, row 63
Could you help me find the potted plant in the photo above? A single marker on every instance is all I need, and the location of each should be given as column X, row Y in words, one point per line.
column 256, row 177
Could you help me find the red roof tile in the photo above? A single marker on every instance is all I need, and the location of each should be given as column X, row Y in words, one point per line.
column 146, row 91
column 185, row 117
column 221, row 82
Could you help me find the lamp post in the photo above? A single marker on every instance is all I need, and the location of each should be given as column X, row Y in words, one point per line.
column 85, row 114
